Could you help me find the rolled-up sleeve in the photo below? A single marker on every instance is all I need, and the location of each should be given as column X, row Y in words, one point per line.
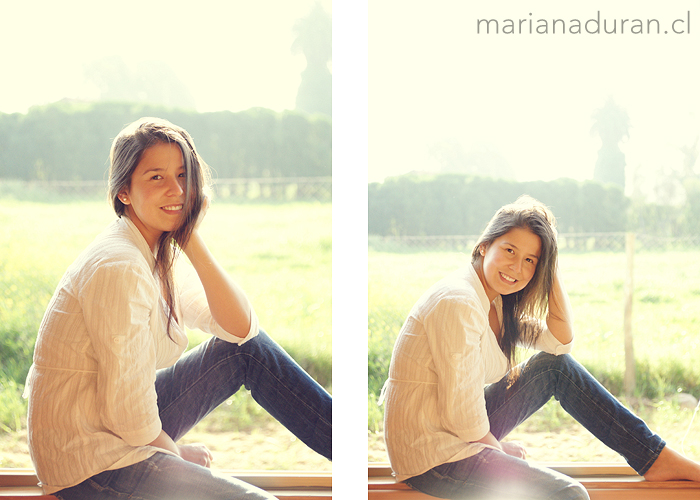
column 117, row 303
column 454, row 327
column 547, row 342
column 196, row 312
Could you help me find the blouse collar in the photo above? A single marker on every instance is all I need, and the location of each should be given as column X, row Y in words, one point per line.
column 473, row 279
column 137, row 238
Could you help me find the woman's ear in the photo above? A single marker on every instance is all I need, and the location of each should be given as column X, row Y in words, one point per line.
column 124, row 198
column 482, row 250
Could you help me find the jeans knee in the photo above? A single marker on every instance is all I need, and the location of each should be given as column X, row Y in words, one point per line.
column 259, row 344
column 567, row 364
column 576, row 492
column 560, row 362
column 556, row 370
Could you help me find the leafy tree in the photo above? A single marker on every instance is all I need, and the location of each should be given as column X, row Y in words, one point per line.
column 313, row 39
column 691, row 183
column 612, row 125
column 690, row 159
column 692, row 209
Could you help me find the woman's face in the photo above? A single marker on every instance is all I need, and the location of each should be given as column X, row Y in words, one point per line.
column 156, row 193
column 509, row 262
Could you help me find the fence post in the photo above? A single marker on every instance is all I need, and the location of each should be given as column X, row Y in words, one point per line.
column 629, row 295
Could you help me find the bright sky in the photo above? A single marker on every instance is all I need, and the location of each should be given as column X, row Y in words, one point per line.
column 231, row 54
column 433, row 78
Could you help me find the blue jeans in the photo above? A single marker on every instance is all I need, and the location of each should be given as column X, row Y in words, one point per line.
column 189, row 390
column 494, row 475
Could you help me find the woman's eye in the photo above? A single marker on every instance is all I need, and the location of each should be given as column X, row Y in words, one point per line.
column 156, row 177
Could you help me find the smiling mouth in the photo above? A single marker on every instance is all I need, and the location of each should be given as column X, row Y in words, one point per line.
column 172, row 208
column 507, row 278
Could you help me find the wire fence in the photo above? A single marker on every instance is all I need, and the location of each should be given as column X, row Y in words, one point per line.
column 280, row 189
column 283, row 189
column 567, row 242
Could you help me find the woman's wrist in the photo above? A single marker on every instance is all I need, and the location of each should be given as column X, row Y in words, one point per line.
column 165, row 442
column 194, row 241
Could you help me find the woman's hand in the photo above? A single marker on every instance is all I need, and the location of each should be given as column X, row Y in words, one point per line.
column 514, row 449
column 196, row 453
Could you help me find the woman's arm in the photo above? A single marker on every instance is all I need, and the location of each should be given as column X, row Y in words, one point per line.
column 228, row 303
column 560, row 316
column 490, row 440
column 164, row 442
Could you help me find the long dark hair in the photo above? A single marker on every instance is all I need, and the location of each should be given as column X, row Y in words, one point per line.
column 523, row 310
column 127, row 149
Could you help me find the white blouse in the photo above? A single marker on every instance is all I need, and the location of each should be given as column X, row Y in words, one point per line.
column 92, row 399
column 445, row 354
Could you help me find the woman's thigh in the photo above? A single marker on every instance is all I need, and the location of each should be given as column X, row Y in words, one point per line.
column 512, row 400
column 210, row 373
column 163, row 477
column 493, row 475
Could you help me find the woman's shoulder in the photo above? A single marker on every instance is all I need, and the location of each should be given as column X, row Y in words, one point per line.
column 455, row 288
column 462, row 283
column 114, row 248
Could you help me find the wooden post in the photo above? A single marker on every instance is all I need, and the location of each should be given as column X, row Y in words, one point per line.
column 629, row 295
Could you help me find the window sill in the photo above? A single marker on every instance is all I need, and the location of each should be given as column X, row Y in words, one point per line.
column 286, row 485
column 602, row 481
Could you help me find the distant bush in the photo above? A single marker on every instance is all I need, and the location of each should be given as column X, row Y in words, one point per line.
column 71, row 141
column 451, row 204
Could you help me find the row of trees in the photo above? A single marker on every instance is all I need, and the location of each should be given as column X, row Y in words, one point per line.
column 455, row 204
column 71, row 141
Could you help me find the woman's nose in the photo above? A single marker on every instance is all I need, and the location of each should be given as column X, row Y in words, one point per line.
column 174, row 187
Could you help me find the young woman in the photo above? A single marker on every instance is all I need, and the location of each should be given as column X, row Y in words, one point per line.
column 453, row 394
column 109, row 393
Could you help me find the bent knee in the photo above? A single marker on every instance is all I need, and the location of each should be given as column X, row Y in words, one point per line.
column 553, row 360
column 576, row 492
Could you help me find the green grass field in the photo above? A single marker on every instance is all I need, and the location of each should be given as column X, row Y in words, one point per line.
column 279, row 253
column 666, row 322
